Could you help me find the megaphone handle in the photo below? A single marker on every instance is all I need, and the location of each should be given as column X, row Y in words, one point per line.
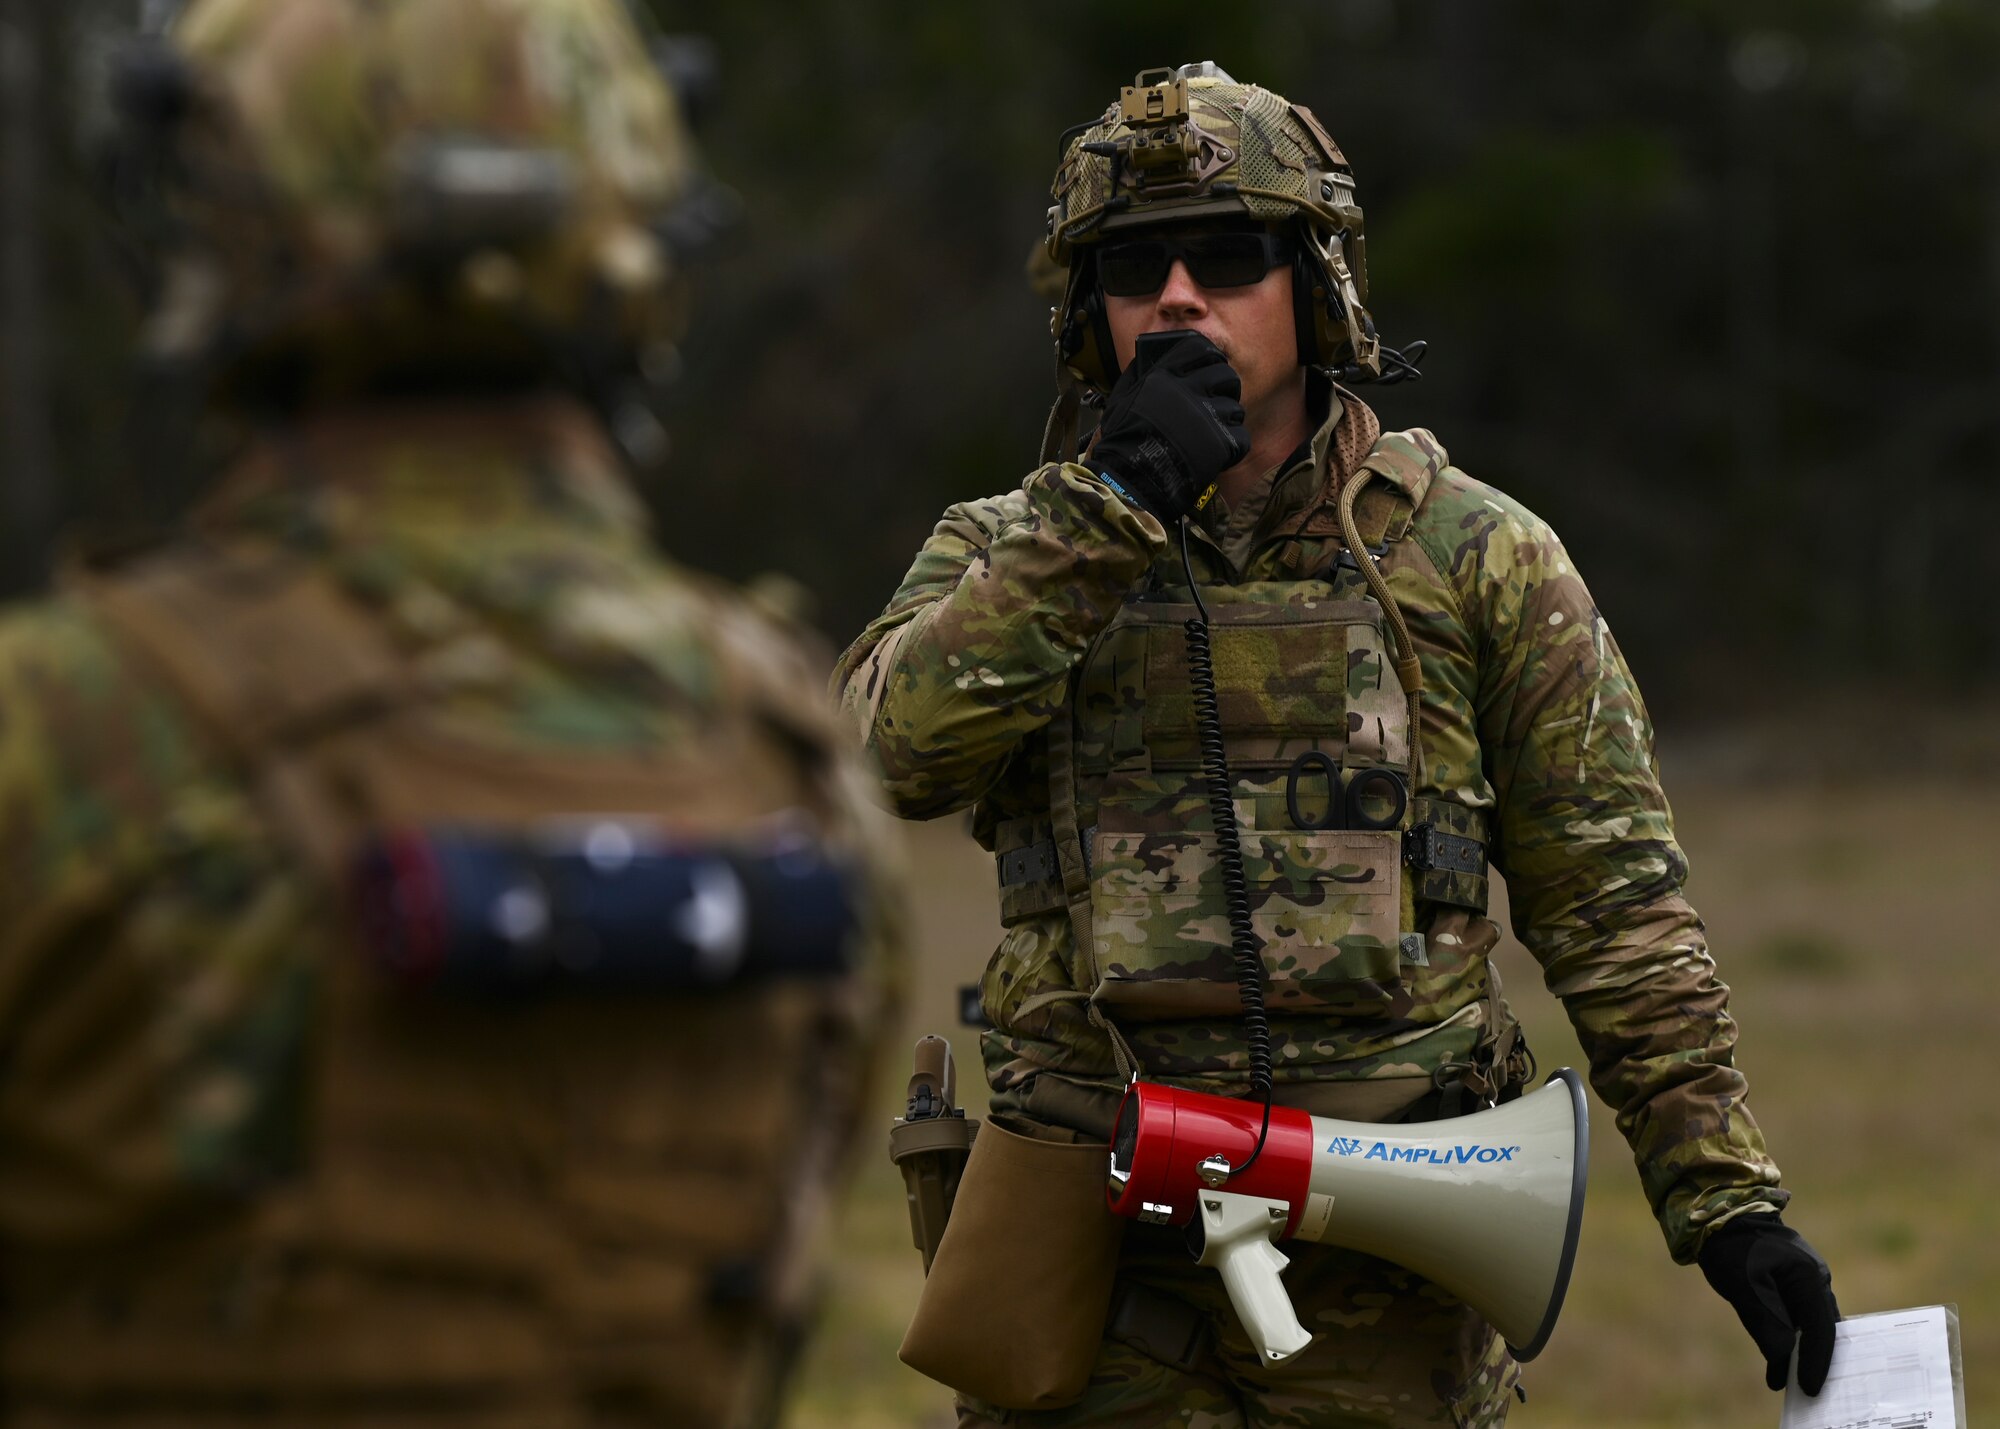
column 1236, row 1240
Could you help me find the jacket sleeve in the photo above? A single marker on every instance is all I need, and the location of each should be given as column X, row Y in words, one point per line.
column 1594, row 877
column 976, row 649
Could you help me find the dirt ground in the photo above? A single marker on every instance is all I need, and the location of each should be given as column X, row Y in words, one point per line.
column 1848, row 913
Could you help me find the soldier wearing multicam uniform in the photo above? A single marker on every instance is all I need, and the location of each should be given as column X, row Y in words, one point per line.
column 1032, row 666
column 284, row 1137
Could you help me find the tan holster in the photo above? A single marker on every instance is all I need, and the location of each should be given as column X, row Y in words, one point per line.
column 1014, row 1307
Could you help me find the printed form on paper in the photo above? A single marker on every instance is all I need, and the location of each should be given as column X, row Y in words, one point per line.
column 1892, row 1371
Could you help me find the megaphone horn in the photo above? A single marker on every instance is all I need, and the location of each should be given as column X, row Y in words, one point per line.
column 1487, row 1205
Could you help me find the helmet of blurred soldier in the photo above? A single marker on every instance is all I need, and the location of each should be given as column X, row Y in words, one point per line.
column 426, row 193
column 1192, row 144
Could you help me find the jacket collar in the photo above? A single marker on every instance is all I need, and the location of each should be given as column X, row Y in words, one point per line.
column 1309, row 479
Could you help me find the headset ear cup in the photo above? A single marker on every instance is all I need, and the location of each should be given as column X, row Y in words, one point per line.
column 1332, row 315
column 1097, row 357
column 1086, row 343
column 1101, row 325
column 1103, row 351
column 1319, row 318
column 1305, row 327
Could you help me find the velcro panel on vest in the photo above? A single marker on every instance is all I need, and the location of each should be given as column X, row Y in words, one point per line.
column 1281, row 674
column 1445, row 848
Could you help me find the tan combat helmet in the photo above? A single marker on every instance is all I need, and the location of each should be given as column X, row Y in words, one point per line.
column 421, row 185
column 1192, row 143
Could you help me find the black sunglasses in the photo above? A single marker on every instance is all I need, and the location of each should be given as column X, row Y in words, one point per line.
column 1138, row 268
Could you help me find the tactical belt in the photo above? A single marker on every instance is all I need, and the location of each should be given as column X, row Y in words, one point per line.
column 1444, row 848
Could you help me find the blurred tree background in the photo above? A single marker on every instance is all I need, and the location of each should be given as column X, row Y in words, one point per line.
column 1715, row 287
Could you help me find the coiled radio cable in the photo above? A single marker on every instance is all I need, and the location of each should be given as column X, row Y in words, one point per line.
column 1243, row 941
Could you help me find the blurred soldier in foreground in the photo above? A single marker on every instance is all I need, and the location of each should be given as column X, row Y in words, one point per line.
column 1412, row 683
column 438, row 945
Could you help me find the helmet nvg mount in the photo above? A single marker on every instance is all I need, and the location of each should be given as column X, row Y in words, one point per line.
column 1192, row 143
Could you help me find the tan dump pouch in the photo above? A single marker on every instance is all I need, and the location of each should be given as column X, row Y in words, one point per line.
column 1016, row 1300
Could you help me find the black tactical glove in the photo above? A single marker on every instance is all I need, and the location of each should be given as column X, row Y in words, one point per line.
column 1781, row 1290
column 1172, row 424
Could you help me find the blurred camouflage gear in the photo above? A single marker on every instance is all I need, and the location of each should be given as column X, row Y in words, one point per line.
column 1192, row 143
column 243, row 1172
column 364, row 186
column 1018, row 670
column 1392, row 1348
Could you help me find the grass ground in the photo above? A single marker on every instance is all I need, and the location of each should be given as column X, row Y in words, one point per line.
column 1852, row 920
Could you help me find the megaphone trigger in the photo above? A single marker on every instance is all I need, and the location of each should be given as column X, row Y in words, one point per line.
column 1236, row 1234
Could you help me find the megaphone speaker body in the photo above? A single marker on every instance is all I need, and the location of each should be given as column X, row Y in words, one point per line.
column 1486, row 1205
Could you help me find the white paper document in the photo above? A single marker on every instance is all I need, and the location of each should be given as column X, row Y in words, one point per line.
column 1895, row 1371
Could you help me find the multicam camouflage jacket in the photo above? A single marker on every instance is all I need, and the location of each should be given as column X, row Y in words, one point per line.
column 235, row 1158
column 1033, row 665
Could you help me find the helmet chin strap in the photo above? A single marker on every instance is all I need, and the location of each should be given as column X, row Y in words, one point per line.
column 1059, row 433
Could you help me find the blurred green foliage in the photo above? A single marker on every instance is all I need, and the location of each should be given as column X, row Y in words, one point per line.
column 1804, row 953
column 1713, row 286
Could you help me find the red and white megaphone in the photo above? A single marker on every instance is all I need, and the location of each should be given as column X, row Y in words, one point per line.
column 1486, row 1205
